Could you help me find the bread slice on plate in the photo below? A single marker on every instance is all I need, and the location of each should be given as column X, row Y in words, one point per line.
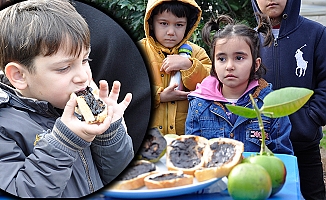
column 168, row 179
column 186, row 153
column 221, row 155
column 133, row 176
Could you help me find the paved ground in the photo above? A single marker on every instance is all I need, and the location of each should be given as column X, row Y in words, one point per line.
column 323, row 158
column 314, row 10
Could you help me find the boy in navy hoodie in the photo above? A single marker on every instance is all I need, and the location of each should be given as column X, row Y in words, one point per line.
column 298, row 59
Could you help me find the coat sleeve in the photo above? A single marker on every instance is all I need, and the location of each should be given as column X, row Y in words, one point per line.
column 280, row 134
column 309, row 119
column 155, row 88
column 157, row 97
column 112, row 151
column 46, row 171
column 317, row 108
column 192, row 124
column 201, row 66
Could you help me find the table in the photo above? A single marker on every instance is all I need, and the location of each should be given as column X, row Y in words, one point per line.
column 290, row 190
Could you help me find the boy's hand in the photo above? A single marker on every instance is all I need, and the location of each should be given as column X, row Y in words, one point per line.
column 170, row 94
column 115, row 111
column 175, row 63
column 112, row 98
column 81, row 128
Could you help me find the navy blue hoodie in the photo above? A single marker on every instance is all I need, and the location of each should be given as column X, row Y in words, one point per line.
column 298, row 58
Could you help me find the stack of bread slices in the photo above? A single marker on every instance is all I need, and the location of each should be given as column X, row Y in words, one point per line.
column 188, row 157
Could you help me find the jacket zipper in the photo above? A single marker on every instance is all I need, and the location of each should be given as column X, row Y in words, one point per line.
column 83, row 159
column 276, row 65
column 275, row 42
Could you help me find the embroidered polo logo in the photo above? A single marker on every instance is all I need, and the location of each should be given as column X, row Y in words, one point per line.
column 257, row 135
column 301, row 63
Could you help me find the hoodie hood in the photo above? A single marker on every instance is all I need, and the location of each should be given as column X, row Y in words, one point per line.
column 290, row 18
column 208, row 89
column 194, row 21
column 11, row 96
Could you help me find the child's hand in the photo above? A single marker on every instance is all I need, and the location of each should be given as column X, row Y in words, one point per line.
column 175, row 63
column 115, row 111
column 170, row 94
column 81, row 128
column 112, row 98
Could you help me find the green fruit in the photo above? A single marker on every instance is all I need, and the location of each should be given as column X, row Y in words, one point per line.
column 275, row 168
column 153, row 146
column 249, row 181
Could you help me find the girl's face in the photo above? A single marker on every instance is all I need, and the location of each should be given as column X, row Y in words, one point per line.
column 169, row 30
column 57, row 76
column 272, row 8
column 233, row 63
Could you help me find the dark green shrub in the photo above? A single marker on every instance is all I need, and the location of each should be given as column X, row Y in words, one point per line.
column 130, row 14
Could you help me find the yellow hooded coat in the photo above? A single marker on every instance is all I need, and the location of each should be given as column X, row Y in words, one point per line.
column 170, row 117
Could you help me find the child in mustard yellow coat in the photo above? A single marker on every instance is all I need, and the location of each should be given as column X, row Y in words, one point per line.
column 168, row 25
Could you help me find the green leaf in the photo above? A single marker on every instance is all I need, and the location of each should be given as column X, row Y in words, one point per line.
column 234, row 7
column 242, row 111
column 285, row 101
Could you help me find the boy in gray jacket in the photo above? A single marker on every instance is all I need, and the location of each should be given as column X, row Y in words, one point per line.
column 46, row 151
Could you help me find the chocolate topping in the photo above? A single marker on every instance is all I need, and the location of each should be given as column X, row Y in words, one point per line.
column 136, row 169
column 167, row 176
column 96, row 105
column 222, row 153
column 185, row 153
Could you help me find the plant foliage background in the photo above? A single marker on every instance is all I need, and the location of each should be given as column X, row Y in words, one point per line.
column 130, row 14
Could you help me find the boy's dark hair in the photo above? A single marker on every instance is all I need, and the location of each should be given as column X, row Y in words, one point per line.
column 177, row 8
column 40, row 27
column 230, row 29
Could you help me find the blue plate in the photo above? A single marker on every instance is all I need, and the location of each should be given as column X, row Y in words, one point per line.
column 290, row 190
column 144, row 193
column 159, row 193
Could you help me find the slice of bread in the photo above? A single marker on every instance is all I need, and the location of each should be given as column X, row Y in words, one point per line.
column 186, row 153
column 133, row 176
column 90, row 106
column 221, row 155
column 168, row 179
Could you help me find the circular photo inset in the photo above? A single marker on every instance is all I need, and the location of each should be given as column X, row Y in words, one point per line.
column 47, row 147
